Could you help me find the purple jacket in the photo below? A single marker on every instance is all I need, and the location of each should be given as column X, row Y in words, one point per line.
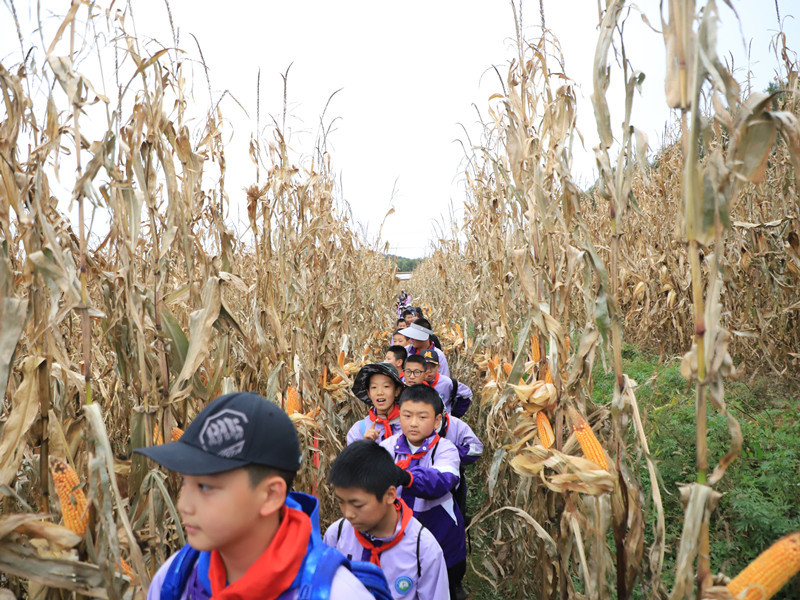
column 414, row 568
column 466, row 442
column 357, row 431
column 430, row 494
column 457, row 405
column 443, row 368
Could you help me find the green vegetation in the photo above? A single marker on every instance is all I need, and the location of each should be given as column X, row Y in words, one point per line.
column 405, row 265
column 761, row 488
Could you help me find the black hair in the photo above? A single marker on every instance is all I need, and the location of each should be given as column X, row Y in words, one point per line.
column 422, row 322
column 403, row 321
column 364, row 465
column 258, row 473
column 398, row 351
column 422, row 393
column 407, row 311
column 415, row 358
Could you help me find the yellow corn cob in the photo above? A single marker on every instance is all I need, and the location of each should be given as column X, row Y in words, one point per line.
column 546, row 435
column 157, row 438
column 324, row 379
column 507, row 368
column 126, row 568
column 340, row 360
column 337, row 379
column 589, row 444
column 492, row 367
column 177, row 432
column 70, row 495
column 535, row 354
column 547, row 378
column 292, row 401
column 770, row 571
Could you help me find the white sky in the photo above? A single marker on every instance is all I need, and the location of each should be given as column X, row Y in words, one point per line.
column 411, row 75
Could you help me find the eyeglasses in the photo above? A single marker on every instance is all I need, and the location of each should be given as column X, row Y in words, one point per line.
column 414, row 373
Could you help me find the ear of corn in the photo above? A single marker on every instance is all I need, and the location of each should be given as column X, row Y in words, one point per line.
column 535, row 354
column 292, row 401
column 589, row 443
column 507, row 368
column 70, row 495
column 547, row 377
column 177, row 432
column 158, row 439
column 770, row 571
column 340, row 360
column 546, row 436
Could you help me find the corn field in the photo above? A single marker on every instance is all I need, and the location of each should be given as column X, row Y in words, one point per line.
column 120, row 324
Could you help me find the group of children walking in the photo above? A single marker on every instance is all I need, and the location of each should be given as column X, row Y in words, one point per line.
column 399, row 483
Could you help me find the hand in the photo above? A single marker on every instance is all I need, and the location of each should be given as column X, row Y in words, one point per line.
column 372, row 433
column 403, row 477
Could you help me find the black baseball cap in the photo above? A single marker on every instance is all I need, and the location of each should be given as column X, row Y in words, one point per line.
column 430, row 357
column 233, row 431
column 361, row 382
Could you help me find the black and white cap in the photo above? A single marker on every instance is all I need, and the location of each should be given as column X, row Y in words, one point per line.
column 233, row 431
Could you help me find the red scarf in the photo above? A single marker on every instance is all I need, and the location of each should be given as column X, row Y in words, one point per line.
column 404, row 463
column 404, row 516
column 394, row 413
column 276, row 568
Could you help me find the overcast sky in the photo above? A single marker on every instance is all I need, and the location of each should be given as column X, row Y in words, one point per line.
column 411, row 76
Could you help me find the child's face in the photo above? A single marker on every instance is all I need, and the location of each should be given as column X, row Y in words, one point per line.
column 221, row 512
column 418, row 421
column 410, row 319
column 414, row 373
column 382, row 391
column 430, row 372
column 366, row 512
column 399, row 340
column 393, row 360
column 421, row 344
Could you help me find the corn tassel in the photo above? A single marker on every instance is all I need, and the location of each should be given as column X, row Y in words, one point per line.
column 546, row 436
column 770, row 571
column 70, row 495
column 177, row 432
column 589, row 443
column 292, row 401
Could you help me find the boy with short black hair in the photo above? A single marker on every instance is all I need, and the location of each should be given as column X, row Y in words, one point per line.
column 248, row 536
column 420, row 338
column 379, row 527
column 398, row 339
column 414, row 372
column 396, row 355
column 433, row 463
column 456, row 396
column 378, row 385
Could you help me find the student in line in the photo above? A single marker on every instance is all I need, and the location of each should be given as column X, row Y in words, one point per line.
column 433, row 463
column 378, row 385
column 456, row 396
column 248, row 536
column 396, row 355
column 379, row 527
column 420, row 341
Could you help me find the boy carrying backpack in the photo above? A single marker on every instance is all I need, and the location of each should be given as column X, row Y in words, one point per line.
column 249, row 539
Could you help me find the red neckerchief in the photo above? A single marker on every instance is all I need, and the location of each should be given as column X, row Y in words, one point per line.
column 402, row 373
column 394, row 413
column 404, row 463
column 404, row 516
column 276, row 568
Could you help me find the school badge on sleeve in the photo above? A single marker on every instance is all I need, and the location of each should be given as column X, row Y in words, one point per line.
column 403, row 584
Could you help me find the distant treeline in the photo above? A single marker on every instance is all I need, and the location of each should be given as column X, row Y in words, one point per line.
column 405, row 264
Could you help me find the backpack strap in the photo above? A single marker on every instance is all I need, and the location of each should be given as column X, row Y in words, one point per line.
column 318, row 570
column 178, row 573
column 419, row 563
column 339, row 532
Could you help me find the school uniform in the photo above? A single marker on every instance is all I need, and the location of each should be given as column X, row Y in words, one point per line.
column 414, row 566
column 456, row 405
column 466, row 442
column 391, row 424
column 435, row 475
column 197, row 586
column 444, row 369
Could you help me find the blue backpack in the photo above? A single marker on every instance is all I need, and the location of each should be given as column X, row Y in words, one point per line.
column 313, row 582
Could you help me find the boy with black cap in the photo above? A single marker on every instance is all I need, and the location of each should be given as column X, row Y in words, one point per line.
column 420, row 338
column 249, row 538
column 378, row 385
column 456, row 396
